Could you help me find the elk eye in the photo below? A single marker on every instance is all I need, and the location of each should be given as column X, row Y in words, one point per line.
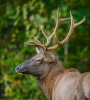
column 38, row 60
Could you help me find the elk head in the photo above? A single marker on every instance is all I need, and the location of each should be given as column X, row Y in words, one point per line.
column 44, row 61
column 38, row 65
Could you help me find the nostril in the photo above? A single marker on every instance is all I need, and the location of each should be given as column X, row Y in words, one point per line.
column 17, row 68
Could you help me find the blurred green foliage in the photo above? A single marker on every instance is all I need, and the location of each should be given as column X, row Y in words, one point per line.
column 19, row 22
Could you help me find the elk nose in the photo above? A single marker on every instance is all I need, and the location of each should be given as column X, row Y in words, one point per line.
column 17, row 68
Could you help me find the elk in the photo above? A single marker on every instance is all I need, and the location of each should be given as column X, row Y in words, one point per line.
column 56, row 82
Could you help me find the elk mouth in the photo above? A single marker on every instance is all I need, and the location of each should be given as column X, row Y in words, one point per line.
column 22, row 72
column 18, row 70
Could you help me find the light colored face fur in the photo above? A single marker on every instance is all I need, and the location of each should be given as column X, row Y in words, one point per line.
column 37, row 65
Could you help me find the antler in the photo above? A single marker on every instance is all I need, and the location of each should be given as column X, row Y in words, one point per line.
column 56, row 27
column 44, row 46
column 73, row 25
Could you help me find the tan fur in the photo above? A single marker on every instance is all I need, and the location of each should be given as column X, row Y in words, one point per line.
column 66, row 85
column 47, row 83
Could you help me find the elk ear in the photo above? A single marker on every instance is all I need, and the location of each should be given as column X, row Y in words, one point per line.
column 37, row 50
column 49, row 57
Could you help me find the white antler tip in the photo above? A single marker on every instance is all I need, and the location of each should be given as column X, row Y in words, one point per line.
column 71, row 14
column 84, row 18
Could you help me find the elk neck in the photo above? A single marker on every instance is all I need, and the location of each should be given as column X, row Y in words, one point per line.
column 47, row 82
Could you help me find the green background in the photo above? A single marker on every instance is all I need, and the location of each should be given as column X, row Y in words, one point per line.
column 20, row 20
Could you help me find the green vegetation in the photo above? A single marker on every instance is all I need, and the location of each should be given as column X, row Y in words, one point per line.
column 20, row 20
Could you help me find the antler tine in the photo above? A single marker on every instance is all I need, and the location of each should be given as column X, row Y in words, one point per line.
column 56, row 27
column 73, row 25
column 58, row 22
column 34, row 44
column 43, row 32
column 38, row 43
column 47, row 37
column 37, row 40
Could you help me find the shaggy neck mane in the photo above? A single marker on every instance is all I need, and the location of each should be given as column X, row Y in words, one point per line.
column 47, row 83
